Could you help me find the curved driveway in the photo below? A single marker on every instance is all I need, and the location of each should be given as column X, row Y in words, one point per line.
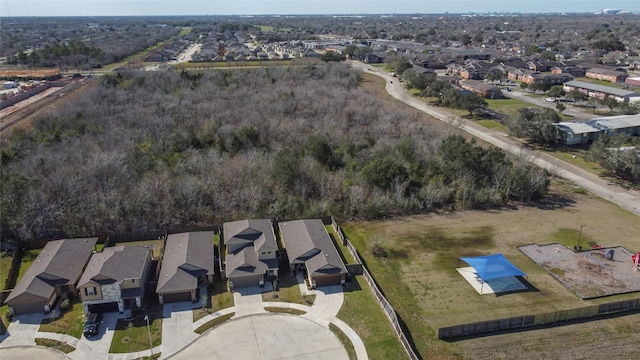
column 626, row 199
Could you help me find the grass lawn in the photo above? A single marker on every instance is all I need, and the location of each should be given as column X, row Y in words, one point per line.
column 55, row 344
column 363, row 314
column 219, row 298
column 508, row 107
column 577, row 158
column 219, row 320
column 421, row 281
column 344, row 339
column 492, row 124
column 5, row 265
column 288, row 290
column 132, row 336
column 28, row 256
column 285, row 310
column 70, row 322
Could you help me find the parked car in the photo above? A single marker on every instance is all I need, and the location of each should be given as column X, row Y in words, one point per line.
column 91, row 325
column 550, row 99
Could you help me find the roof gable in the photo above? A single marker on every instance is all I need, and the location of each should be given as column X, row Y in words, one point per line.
column 59, row 263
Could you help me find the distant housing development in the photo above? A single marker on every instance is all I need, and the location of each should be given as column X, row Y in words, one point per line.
column 575, row 133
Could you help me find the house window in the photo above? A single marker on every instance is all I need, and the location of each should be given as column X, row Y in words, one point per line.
column 90, row 291
column 268, row 252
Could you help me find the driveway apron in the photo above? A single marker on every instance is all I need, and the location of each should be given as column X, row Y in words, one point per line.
column 177, row 327
column 22, row 330
column 97, row 346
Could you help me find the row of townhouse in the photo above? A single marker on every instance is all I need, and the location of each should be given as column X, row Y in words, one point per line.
column 118, row 278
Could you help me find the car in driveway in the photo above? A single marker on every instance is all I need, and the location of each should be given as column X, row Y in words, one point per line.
column 91, row 325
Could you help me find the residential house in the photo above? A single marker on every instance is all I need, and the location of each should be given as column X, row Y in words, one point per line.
column 606, row 75
column 250, row 252
column 115, row 279
column 53, row 274
column 310, row 249
column 186, row 264
column 487, row 91
column 601, row 92
column 584, row 132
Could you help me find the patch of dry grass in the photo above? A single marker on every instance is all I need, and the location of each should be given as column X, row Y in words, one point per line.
column 419, row 275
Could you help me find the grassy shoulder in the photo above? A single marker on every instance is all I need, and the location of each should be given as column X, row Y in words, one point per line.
column 70, row 322
column 55, row 344
column 344, row 339
column 364, row 315
column 210, row 324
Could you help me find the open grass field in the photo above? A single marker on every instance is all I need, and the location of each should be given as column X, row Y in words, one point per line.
column 508, row 107
column 419, row 276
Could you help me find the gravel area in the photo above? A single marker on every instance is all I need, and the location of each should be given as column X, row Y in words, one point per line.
column 587, row 273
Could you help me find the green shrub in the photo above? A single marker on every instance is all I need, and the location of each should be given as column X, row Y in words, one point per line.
column 9, row 316
column 65, row 305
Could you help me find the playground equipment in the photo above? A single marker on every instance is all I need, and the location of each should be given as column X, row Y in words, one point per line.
column 590, row 262
column 636, row 261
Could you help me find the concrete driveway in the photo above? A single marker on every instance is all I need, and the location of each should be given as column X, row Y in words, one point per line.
column 22, row 330
column 267, row 336
column 177, row 327
column 98, row 345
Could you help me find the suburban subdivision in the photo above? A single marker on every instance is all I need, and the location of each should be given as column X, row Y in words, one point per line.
column 385, row 186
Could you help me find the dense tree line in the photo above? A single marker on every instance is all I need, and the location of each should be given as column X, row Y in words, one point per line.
column 535, row 124
column 149, row 150
column 617, row 154
column 443, row 93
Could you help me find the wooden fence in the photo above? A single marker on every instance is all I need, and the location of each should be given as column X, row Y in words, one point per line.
column 389, row 311
column 554, row 318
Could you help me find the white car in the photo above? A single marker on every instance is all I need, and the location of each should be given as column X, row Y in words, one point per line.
column 550, row 99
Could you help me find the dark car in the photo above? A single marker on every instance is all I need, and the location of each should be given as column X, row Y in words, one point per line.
column 91, row 325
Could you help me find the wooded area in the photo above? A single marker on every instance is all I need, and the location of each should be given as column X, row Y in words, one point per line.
column 149, row 150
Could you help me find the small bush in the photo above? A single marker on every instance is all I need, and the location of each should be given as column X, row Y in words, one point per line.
column 65, row 305
column 9, row 316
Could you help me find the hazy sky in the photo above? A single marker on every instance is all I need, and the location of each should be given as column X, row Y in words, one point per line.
column 257, row 7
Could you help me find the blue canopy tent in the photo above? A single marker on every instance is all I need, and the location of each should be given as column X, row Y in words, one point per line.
column 492, row 267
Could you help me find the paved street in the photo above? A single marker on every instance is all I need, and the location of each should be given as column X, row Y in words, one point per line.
column 626, row 199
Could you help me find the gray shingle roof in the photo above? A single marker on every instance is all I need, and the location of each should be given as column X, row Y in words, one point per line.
column 256, row 232
column 186, row 256
column 115, row 264
column 244, row 240
column 600, row 88
column 59, row 263
column 307, row 240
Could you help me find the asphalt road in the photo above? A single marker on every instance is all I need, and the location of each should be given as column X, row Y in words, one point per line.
column 626, row 199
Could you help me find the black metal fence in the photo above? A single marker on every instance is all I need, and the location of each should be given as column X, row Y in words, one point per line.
column 554, row 318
